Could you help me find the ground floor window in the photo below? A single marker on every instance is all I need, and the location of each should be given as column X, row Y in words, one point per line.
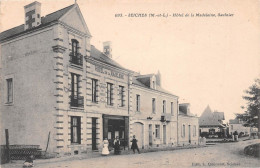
column 157, row 131
column 183, row 130
column 75, row 129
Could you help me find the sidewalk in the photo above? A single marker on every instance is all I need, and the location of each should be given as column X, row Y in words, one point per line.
column 89, row 155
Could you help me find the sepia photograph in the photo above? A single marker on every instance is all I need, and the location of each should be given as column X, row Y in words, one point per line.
column 129, row 83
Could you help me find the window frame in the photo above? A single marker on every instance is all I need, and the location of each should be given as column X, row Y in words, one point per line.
column 121, row 96
column 172, row 109
column 153, row 105
column 9, row 91
column 109, row 94
column 94, row 90
column 138, row 102
column 77, row 128
column 73, row 83
column 164, row 106
column 74, row 48
column 183, row 130
column 157, row 131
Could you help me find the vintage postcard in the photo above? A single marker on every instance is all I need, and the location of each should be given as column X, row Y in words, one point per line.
column 129, row 83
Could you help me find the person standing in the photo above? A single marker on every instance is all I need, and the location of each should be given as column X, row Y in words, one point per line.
column 117, row 146
column 105, row 150
column 134, row 145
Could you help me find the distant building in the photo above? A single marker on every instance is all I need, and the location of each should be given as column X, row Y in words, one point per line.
column 238, row 125
column 211, row 123
column 187, row 125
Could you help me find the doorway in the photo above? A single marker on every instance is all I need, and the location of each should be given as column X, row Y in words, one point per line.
column 94, row 133
column 138, row 132
column 150, row 134
column 164, row 134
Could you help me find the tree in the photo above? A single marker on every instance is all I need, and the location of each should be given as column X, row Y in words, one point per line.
column 252, row 109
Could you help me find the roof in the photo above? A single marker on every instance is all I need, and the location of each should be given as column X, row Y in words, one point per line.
column 44, row 21
column 100, row 56
column 208, row 118
column 139, row 82
column 235, row 121
column 219, row 115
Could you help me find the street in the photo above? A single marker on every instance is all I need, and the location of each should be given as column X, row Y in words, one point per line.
column 219, row 155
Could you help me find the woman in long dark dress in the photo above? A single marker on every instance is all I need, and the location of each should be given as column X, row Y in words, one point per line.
column 117, row 146
column 134, row 145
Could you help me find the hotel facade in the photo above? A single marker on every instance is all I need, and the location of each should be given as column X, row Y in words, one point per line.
column 58, row 90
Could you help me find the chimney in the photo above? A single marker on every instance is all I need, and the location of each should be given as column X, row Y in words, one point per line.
column 32, row 15
column 158, row 78
column 107, row 48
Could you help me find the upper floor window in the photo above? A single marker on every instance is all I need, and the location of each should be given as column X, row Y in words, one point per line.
column 94, row 90
column 164, row 106
column 9, row 97
column 137, row 102
column 109, row 93
column 75, row 44
column 76, row 99
column 75, row 129
column 172, row 110
column 194, row 131
column 153, row 105
column 183, row 130
column 121, row 96
column 75, row 56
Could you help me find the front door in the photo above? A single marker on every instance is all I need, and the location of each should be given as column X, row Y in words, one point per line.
column 94, row 133
column 150, row 135
column 138, row 132
column 164, row 134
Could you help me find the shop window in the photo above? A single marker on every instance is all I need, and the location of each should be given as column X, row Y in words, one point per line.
column 75, row 130
column 94, row 90
column 164, row 106
column 121, row 96
column 157, row 131
column 9, row 84
column 138, row 103
column 153, row 105
column 109, row 93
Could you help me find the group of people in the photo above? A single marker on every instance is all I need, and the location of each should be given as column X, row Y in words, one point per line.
column 116, row 144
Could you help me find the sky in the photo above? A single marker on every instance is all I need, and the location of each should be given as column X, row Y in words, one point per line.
column 204, row 60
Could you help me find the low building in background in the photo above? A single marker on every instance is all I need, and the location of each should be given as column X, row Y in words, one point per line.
column 188, row 125
column 211, row 124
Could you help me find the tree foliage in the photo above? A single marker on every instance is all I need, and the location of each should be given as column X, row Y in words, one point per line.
column 252, row 109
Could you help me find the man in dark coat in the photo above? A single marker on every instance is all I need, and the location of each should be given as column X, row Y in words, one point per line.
column 134, row 145
column 117, row 146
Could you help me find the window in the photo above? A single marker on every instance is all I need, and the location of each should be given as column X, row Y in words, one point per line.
column 153, row 105
column 172, row 112
column 75, row 130
column 183, row 130
column 75, row 56
column 9, row 83
column 194, row 131
column 164, row 106
column 121, row 96
column 94, row 90
column 231, row 127
column 109, row 93
column 137, row 102
column 76, row 99
column 157, row 131
column 74, row 47
column 153, row 85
